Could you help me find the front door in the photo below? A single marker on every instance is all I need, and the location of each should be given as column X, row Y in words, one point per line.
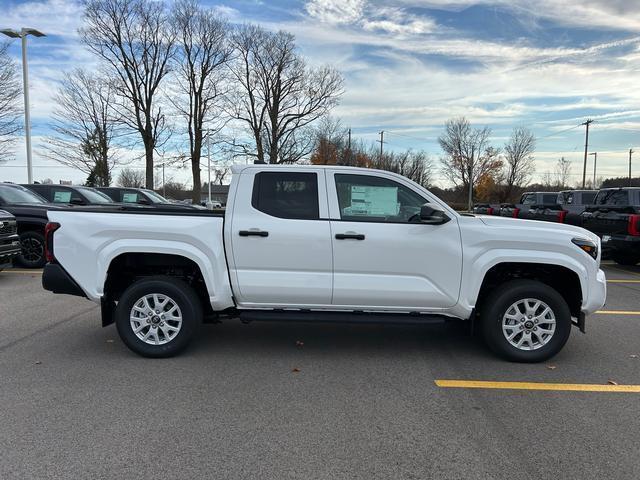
column 383, row 256
column 280, row 239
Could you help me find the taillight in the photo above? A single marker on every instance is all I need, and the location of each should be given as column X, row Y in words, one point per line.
column 562, row 215
column 490, row 211
column 48, row 241
column 516, row 211
column 632, row 225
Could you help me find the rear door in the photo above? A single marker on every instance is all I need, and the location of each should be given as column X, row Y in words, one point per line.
column 280, row 238
column 383, row 257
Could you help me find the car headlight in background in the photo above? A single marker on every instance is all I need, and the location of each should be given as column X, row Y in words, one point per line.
column 587, row 245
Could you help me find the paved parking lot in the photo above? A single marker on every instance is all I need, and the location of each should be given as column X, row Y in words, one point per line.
column 75, row 403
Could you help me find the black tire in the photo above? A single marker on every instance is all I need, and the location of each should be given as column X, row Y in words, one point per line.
column 32, row 253
column 496, row 305
column 625, row 258
column 181, row 294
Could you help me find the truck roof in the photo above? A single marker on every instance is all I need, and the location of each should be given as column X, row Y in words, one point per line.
column 240, row 168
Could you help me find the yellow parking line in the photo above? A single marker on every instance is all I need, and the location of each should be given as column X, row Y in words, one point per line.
column 561, row 387
column 28, row 272
column 616, row 312
column 623, row 281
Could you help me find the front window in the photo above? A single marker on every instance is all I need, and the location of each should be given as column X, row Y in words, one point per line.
column 17, row 194
column 366, row 198
column 529, row 199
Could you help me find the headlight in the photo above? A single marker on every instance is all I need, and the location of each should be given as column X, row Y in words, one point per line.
column 587, row 245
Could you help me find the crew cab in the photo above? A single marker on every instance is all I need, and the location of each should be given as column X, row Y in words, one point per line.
column 30, row 212
column 527, row 200
column 70, row 195
column 326, row 243
column 569, row 207
column 9, row 240
column 615, row 217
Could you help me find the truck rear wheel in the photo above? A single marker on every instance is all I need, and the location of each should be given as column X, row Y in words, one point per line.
column 158, row 316
column 525, row 321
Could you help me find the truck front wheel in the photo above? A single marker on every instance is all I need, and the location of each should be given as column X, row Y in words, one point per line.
column 158, row 316
column 525, row 321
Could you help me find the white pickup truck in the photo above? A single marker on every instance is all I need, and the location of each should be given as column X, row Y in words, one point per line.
column 326, row 244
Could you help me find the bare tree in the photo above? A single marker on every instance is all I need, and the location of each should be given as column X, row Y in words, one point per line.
column 133, row 38
column 519, row 160
column 203, row 52
column 563, row 171
column 468, row 155
column 9, row 103
column 278, row 95
column 130, row 177
column 84, row 126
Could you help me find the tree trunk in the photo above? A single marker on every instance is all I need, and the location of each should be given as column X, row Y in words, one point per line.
column 148, row 155
column 196, row 195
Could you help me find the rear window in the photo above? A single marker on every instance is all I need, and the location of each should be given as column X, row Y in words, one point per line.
column 549, row 198
column 529, row 199
column 612, row 197
column 286, row 195
column 588, row 197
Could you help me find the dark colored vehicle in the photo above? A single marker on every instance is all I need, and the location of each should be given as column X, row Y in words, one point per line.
column 143, row 196
column 30, row 211
column 521, row 210
column 569, row 207
column 9, row 240
column 487, row 208
column 70, row 195
column 615, row 218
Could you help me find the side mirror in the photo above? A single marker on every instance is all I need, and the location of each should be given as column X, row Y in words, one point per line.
column 144, row 201
column 431, row 216
column 77, row 201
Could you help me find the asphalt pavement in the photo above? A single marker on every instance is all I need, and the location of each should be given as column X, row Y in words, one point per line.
column 309, row 401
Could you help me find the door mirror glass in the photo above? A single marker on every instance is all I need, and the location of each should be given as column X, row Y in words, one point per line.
column 432, row 216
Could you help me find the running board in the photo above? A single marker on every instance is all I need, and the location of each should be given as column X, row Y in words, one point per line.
column 341, row 317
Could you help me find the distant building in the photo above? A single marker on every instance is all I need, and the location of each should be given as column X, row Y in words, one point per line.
column 219, row 193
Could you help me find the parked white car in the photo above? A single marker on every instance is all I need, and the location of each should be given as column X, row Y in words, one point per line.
column 327, row 244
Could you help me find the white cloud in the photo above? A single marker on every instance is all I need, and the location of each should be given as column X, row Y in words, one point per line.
column 336, row 11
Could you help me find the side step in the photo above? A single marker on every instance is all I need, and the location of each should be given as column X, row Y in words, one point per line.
column 341, row 317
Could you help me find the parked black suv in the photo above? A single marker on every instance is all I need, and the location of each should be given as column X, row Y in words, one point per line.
column 9, row 240
column 70, row 195
column 30, row 211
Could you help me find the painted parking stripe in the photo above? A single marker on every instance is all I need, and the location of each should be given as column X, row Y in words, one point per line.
column 558, row 387
column 28, row 272
column 622, row 281
column 617, row 312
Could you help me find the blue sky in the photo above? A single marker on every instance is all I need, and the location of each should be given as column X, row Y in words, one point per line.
column 409, row 65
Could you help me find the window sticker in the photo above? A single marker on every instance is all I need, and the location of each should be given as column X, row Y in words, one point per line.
column 373, row 201
column 61, row 197
column 130, row 197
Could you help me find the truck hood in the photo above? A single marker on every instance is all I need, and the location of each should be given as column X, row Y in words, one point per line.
column 549, row 228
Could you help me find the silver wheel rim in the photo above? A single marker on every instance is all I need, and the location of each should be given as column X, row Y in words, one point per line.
column 529, row 324
column 155, row 319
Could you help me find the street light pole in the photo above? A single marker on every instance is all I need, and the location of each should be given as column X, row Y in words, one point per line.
column 22, row 34
column 209, row 165
column 595, row 162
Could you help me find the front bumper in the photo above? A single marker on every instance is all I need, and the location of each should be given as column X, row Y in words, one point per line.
column 597, row 295
column 9, row 249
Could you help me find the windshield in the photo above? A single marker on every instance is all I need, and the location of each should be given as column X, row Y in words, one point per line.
column 155, row 197
column 94, row 196
column 17, row 194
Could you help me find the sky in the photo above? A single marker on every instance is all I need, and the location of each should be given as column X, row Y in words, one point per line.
column 409, row 65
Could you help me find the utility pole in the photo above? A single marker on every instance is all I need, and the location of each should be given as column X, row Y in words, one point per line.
column 349, row 140
column 586, row 148
column 630, row 153
column 595, row 162
column 209, row 167
column 381, row 142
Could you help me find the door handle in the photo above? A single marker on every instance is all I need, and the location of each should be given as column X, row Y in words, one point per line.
column 352, row 236
column 253, row 233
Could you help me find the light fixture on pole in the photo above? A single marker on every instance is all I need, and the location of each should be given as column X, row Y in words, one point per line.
column 595, row 163
column 22, row 34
